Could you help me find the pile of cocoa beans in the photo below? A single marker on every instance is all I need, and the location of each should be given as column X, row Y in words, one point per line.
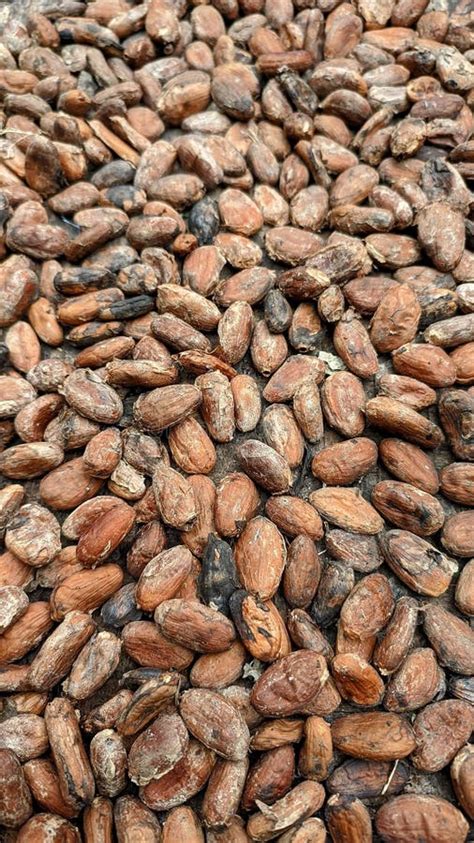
column 236, row 421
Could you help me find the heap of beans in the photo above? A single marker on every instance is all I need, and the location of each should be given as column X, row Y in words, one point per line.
column 236, row 421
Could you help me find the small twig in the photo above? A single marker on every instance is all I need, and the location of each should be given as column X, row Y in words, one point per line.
column 389, row 780
column 69, row 222
column 20, row 132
